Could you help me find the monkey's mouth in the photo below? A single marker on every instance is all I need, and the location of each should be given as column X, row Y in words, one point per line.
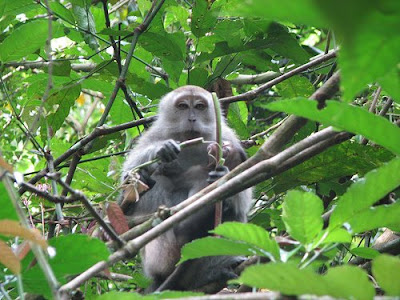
column 192, row 134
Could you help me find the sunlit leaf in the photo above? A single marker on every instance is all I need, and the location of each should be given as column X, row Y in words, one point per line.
column 386, row 270
column 362, row 194
column 302, row 215
column 345, row 117
column 340, row 282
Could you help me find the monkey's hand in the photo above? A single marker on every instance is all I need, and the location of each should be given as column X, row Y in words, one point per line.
column 169, row 151
column 216, row 174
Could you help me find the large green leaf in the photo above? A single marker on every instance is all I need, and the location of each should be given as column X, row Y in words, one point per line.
column 302, row 215
column 7, row 210
column 365, row 252
column 329, row 167
column 375, row 29
column 125, row 296
column 13, row 8
column 85, row 20
column 24, row 40
column 93, row 176
column 300, row 11
column 63, row 99
column 276, row 38
column 377, row 217
column 342, row 282
column 249, row 233
column 66, row 262
column 211, row 246
column 345, row 117
column 362, row 194
column 386, row 270
column 296, row 86
column 168, row 46
column 62, row 11
column 237, row 119
column 203, row 18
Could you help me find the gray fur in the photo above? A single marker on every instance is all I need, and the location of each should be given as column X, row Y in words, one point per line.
column 177, row 180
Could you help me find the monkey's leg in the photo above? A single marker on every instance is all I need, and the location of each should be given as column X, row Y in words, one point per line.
column 207, row 274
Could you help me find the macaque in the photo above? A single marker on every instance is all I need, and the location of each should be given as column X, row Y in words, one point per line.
column 185, row 113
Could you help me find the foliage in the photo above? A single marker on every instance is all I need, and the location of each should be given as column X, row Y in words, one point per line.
column 63, row 80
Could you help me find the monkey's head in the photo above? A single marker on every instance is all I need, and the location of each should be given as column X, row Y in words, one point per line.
column 187, row 113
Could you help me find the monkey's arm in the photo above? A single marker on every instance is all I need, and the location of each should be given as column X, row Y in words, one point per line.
column 167, row 151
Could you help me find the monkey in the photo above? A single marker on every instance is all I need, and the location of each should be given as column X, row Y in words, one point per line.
column 185, row 113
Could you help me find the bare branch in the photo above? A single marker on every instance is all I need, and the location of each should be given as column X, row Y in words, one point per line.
column 251, row 95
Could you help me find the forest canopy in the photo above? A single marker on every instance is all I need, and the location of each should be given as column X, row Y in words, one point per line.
column 311, row 88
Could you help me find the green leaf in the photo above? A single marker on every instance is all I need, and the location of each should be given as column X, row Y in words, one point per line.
column 345, row 117
column 391, row 83
column 301, row 213
column 7, row 210
column 93, row 176
column 211, row 246
column 64, row 99
column 285, row 44
column 13, row 8
column 375, row 29
column 168, row 46
column 365, row 252
column 342, row 282
column 68, row 249
column 249, row 233
column 225, row 66
column 60, row 68
column 235, row 114
column 114, row 32
column 377, row 217
column 295, row 87
column 386, row 270
column 61, row 11
column 300, row 11
column 198, row 76
column 133, row 296
column 328, row 167
column 24, row 40
column 203, row 18
column 85, row 20
column 339, row 235
column 362, row 194
column 278, row 39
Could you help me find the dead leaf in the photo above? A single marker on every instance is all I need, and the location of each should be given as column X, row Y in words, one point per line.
column 117, row 218
column 5, row 165
column 13, row 228
column 9, row 259
column 132, row 189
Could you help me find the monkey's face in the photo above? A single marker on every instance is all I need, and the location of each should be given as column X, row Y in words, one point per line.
column 189, row 112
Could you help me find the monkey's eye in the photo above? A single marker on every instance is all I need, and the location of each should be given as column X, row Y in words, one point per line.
column 182, row 105
column 200, row 106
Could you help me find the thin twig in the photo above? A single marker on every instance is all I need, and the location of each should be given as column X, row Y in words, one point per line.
column 38, row 252
column 97, row 132
column 80, row 196
column 371, row 109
